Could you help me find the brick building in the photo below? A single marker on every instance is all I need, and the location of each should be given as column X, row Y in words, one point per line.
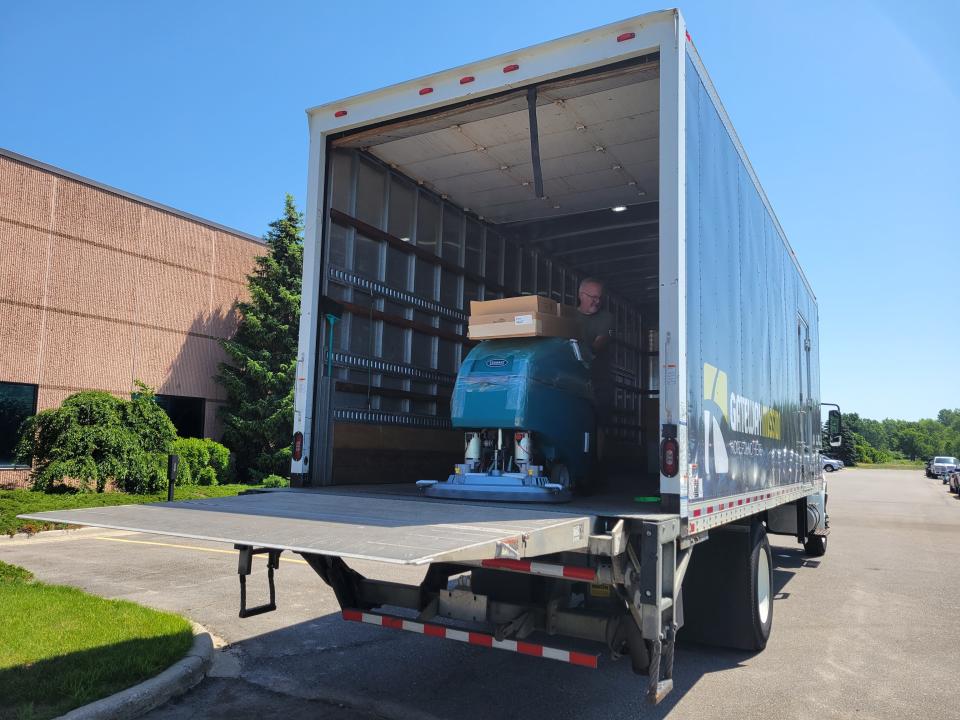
column 99, row 289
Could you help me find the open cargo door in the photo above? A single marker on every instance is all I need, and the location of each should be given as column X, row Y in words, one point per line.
column 381, row 529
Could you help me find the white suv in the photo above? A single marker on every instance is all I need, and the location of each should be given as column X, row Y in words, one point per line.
column 942, row 466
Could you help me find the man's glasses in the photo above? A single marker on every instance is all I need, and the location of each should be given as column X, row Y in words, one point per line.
column 598, row 298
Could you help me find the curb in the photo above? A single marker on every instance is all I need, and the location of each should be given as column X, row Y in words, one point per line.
column 140, row 699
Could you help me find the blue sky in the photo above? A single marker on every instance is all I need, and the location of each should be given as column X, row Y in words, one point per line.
column 850, row 112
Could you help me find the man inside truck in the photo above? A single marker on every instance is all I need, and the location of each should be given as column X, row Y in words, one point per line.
column 596, row 330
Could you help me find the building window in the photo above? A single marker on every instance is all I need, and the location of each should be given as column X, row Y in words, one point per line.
column 18, row 401
column 186, row 413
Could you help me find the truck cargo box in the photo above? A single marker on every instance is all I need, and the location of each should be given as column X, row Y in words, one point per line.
column 494, row 190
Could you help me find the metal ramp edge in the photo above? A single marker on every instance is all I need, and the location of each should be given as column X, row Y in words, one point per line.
column 379, row 529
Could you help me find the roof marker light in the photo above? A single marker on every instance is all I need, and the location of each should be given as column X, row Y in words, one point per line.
column 511, row 68
column 626, row 36
column 689, row 39
column 340, row 113
column 467, row 79
column 426, row 91
column 619, row 208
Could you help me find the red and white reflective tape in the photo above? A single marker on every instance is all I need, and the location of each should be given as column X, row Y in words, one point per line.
column 570, row 572
column 739, row 502
column 473, row 638
column 713, row 513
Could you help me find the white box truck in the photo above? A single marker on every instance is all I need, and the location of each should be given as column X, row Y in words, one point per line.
column 606, row 154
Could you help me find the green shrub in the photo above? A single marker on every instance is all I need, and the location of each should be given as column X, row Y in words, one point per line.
column 184, row 474
column 275, row 481
column 219, row 461
column 202, row 461
column 206, row 476
column 95, row 438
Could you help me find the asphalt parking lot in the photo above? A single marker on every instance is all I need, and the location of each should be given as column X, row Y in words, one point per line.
column 867, row 631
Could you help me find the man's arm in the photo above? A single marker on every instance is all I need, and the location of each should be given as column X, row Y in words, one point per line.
column 602, row 340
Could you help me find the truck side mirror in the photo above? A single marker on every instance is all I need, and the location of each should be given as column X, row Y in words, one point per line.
column 834, row 428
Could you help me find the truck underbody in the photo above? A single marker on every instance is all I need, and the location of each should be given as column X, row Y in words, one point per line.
column 574, row 584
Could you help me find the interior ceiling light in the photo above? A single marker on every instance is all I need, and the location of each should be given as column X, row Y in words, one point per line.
column 600, row 148
column 619, row 208
column 617, row 167
column 642, row 193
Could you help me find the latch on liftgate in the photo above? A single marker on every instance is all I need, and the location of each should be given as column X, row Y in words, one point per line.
column 244, row 568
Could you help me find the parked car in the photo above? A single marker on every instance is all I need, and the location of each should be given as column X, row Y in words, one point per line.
column 942, row 465
column 953, row 479
column 830, row 464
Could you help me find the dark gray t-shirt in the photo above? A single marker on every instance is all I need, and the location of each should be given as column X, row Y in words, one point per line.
column 591, row 327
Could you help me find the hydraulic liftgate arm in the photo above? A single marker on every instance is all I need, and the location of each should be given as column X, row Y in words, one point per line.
column 652, row 581
column 649, row 575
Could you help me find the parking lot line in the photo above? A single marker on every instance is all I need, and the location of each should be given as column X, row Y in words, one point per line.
column 193, row 547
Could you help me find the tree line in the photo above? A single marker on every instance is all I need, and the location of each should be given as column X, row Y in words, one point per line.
column 881, row 441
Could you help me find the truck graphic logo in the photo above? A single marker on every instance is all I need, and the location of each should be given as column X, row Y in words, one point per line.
column 741, row 415
column 496, row 362
column 715, row 390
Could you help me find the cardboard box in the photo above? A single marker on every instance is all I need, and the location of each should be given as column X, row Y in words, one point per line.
column 521, row 324
column 522, row 304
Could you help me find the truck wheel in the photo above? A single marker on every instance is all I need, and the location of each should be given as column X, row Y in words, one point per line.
column 728, row 590
column 816, row 545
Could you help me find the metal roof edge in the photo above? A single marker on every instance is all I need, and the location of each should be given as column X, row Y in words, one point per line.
column 17, row 157
column 651, row 17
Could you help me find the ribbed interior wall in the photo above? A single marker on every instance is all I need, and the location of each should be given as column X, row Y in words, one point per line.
column 406, row 262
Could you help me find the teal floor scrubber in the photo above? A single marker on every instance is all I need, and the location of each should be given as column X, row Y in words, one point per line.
column 526, row 405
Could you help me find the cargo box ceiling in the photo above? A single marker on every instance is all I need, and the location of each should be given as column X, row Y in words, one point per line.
column 598, row 145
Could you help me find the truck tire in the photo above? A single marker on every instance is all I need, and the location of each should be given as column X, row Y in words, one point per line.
column 728, row 590
column 816, row 545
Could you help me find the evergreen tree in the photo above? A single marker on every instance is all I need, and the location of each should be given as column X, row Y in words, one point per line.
column 847, row 452
column 259, row 380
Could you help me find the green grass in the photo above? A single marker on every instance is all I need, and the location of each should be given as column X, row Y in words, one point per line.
column 61, row 648
column 16, row 502
column 895, row 465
